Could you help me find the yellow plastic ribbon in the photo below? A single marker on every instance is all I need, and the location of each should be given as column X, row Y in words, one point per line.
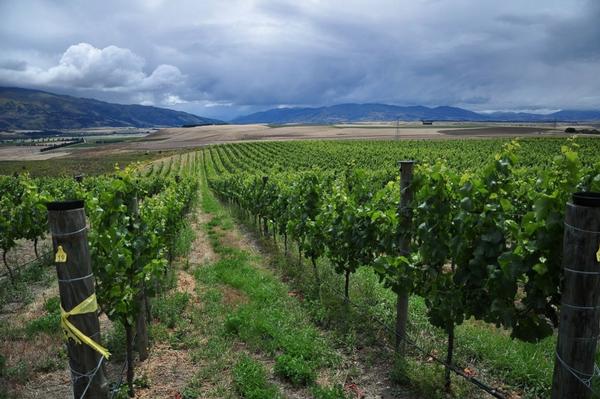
column 88, row 305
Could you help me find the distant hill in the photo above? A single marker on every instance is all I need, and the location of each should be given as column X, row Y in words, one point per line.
column 383, row 112
column 35, row 109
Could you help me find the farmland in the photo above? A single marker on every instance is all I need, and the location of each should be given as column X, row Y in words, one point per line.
column 283, row 270
column 98, row 142
column 173, row 138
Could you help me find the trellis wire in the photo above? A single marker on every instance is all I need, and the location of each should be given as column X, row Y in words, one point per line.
column 587, row 382
column 117, row 387
column 75, row 376
column 491, row 390
column 19, row 268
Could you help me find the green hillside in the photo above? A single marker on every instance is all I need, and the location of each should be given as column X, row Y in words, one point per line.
column 34, row 109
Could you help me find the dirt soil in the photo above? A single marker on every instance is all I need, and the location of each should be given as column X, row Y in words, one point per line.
column 27, row 153
column 505, row 131
column 174, row 138
column 201, row 251
column 168, row 371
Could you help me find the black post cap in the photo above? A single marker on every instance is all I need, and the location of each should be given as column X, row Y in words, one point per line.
column 65, row 205
column 589, row 199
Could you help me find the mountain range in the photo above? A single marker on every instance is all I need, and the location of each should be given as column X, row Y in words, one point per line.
column 38, row 110
column 383, row 112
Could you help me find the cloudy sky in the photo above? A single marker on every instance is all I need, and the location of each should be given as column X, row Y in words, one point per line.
column 224, row 58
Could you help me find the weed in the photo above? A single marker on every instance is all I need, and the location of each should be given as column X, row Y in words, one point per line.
column 120, row 392
column 17, row 292
column 169, row 309
column 297, row 370
column 115, row 342
column 51, row 363
column 177, row 338
column 184, row 239
column 48, row 323
column 400, row 371
column 233, row 323
column 335, row 392
column 250, row 380
column 190, row 393
column 38, row 272
column 526, row 365
column 159, row 332
column 142, row 381
column 11, row 333
column 18, row 373
column 52, row 305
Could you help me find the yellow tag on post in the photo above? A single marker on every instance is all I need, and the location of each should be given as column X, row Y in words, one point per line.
column 598, row 254
column 61, row 255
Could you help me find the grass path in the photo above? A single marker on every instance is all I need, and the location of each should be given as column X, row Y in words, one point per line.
column 243, row 315
column 260, row 338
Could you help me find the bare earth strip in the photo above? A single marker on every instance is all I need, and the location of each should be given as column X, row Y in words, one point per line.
column 173, row 138
column 27, row 153
column 497, row 131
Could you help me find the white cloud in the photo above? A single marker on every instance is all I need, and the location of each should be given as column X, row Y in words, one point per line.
column 173, row 100
column 212, row 104
column 83, row 66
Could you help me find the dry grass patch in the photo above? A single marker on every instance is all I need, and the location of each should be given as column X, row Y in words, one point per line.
column 35, row 365
column 201, row 251
column 167, row 372
column 233, row 297
column 187, row 284
column 54, row 385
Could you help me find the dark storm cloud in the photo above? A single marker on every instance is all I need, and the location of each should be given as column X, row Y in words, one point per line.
column 225, row 58
column 13, row 65
column 576, row 37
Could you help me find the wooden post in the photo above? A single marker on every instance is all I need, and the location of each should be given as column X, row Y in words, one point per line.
column 405, row 224
column 578, row 328
column 67, row 224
